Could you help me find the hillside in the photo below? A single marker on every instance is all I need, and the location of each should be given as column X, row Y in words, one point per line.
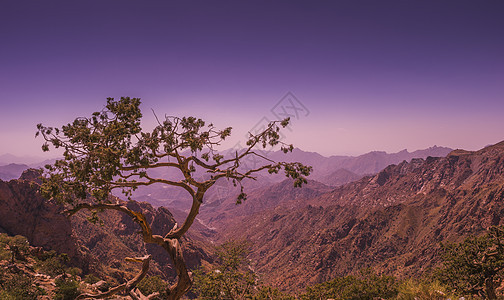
column 91, row 247
column 392, row 221
column 222, row 211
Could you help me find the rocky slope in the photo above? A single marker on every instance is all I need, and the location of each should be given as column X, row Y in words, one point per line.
column 393, row 221
column 23, row 211
column 221, row 212
column 93, row 248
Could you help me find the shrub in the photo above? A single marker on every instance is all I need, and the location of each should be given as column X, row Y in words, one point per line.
column 475, row 266
column 91, row 279
column 366, row 285
column 423, row 290
column 15, row 286
column 153, row 284
column 66, row 289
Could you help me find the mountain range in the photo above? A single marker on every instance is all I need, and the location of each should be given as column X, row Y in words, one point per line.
column 391, row 219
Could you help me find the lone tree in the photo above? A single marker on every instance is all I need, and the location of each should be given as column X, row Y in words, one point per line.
column 475, row 266
column 110, row 151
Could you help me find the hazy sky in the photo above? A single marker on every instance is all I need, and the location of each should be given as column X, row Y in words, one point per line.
column 366, row 75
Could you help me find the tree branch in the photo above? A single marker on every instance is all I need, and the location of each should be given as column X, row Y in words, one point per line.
column 128, row 286
column 171, row 245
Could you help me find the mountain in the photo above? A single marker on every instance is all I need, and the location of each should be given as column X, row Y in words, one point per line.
column 393, row 221
column 332, row 171
column 24, row 212
column 259, row 200
column 12, row 171
column 340, row 177
column 28, row 160
column 369, row 163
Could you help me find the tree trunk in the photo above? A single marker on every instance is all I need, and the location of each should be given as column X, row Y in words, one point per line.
column 490, row 288
column 184, row 283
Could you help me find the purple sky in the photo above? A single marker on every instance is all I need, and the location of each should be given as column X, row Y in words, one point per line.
column 374, row 75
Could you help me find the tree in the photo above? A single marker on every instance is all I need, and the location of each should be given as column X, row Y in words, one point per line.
column 110, row 151
column 475, row 266
column 233, row 277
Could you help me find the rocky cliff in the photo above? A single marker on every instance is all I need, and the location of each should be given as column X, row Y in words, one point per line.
column 92, row 247
column 24, row 212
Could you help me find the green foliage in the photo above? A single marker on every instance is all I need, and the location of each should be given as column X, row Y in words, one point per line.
column 54, row 264
column 20, row 242
column 475, row 266
column 110, row 151
column 17, row 286
column 91, row 279
column 231, row 279
column 5, row 254
column 423, row 290
column 366, row 285
column 233, row 254
column 269, row 293
column 66, row 289
column 153, row 284
column 13, row 245
column 74, row 271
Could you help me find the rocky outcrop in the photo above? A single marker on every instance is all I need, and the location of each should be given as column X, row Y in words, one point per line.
column 24, row 212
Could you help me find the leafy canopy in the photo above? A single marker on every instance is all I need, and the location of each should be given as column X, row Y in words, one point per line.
column 109, row 150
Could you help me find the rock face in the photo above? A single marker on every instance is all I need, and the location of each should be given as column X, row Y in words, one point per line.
column 23, row 211
column 100, row 249
column 393, row 221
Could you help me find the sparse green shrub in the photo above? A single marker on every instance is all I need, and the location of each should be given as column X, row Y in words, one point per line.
column 232, row 277
column 269, row 293
column 74, row 271
column 423, row 290
column 16, row 286
column 366, row 285
column 20, row 242
column 4, row 295
column 4, row 241
column 66, row 289
column 8, row 243
column 54, row 264
column 91, row 279
column 153, row 284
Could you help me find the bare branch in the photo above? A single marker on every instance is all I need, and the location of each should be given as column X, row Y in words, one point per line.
column 128, row 286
